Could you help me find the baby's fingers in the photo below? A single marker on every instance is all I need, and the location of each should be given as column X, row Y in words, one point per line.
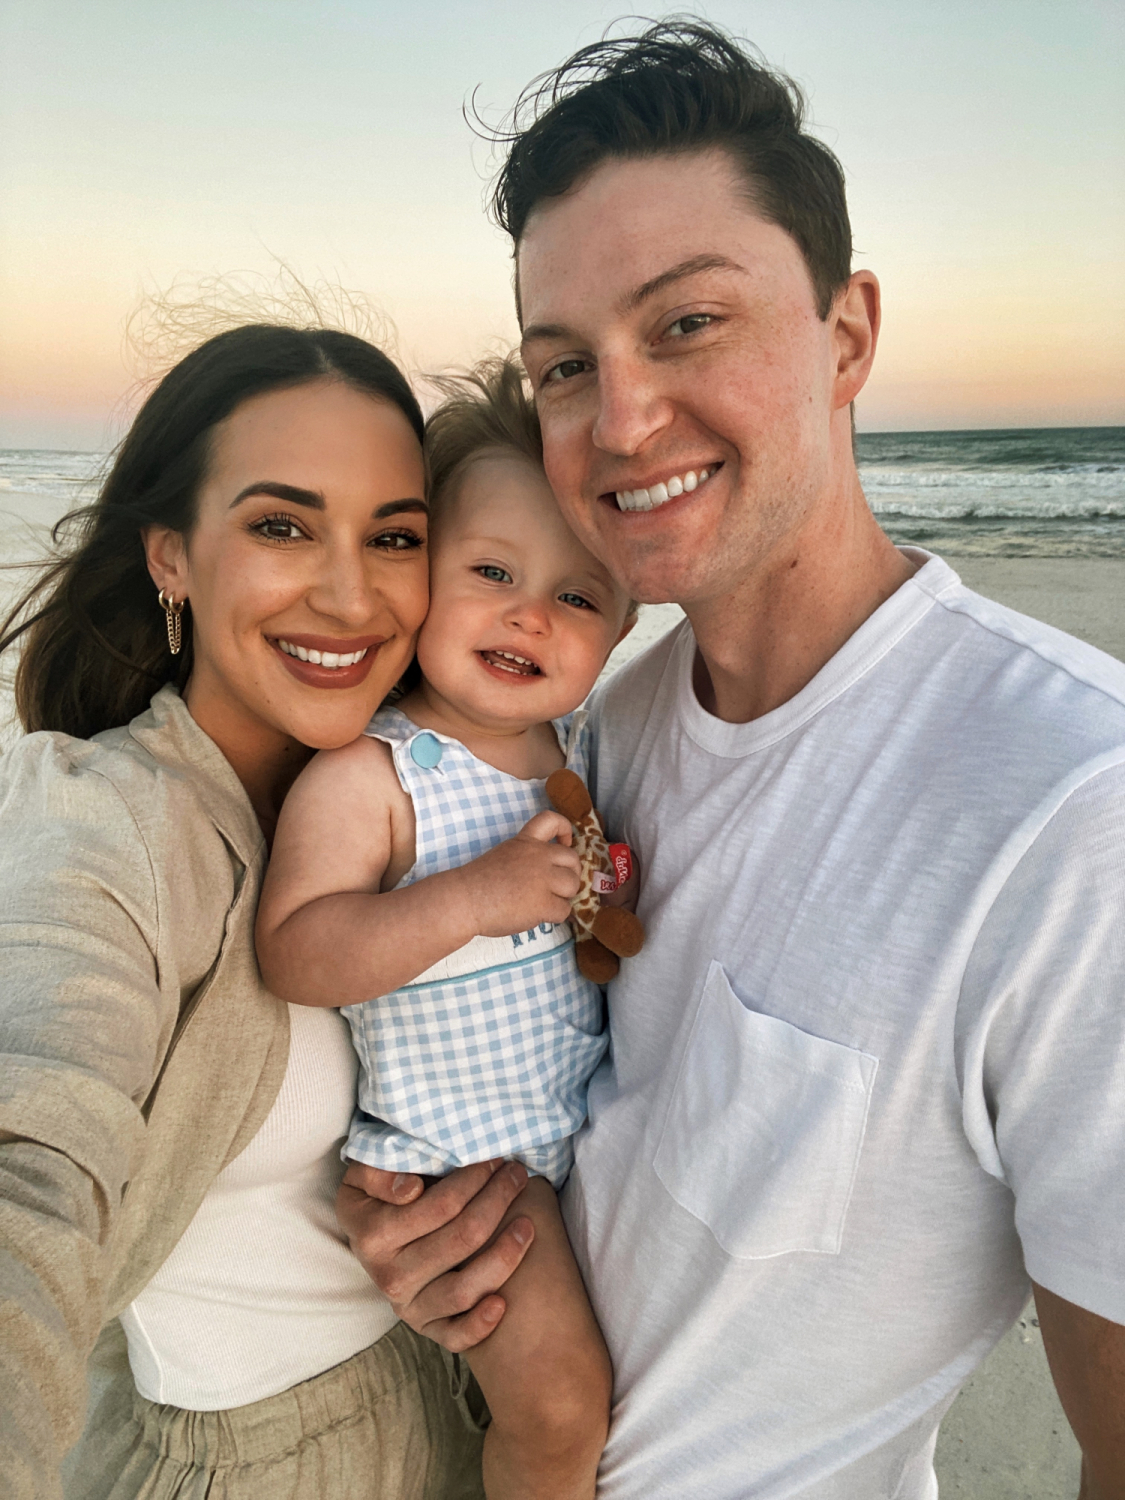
column 546, row 826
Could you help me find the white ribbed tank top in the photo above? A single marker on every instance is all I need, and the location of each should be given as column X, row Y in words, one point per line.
column 262, row 1291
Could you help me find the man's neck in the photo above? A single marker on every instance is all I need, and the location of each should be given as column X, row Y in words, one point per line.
column 765, row 639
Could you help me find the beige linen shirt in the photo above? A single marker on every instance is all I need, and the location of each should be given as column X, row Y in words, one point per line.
column 139, row 1051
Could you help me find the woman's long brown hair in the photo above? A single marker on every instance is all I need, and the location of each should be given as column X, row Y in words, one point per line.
column 95, row 647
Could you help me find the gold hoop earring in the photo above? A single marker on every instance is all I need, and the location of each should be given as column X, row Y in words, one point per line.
column 172, row 613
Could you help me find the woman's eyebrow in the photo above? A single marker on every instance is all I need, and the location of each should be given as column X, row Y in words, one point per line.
column 396, row 507
column 291, row 492
column 314, row 500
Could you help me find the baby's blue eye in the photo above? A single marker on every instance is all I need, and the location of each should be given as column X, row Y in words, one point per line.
column 575, row 599
column 494, row 575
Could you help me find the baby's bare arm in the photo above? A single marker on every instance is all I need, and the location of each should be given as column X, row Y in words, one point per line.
column 545, row 1371
column 326, row 934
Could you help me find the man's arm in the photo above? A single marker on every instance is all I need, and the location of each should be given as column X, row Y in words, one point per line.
column 1087, row 1358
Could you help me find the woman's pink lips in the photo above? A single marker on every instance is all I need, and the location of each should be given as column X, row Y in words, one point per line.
column 328, row 677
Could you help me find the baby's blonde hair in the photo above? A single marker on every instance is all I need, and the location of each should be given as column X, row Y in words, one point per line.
column 486, row 409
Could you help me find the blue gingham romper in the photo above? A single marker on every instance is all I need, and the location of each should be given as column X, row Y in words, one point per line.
column 489, row 1052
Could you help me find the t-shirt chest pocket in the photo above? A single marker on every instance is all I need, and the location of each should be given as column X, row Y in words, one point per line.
column 764, row 1128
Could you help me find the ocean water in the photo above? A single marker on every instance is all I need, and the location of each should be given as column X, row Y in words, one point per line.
column 1037, row 492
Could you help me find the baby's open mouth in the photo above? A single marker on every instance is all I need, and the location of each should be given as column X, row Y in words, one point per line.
column 508, row 661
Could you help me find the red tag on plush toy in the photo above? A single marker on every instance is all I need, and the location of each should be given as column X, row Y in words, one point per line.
column 621, row 857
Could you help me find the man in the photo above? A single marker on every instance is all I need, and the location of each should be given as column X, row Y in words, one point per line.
column 866, row 1075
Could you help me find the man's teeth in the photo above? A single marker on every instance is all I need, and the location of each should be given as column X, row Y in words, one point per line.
column 650, row 499
column 324, row 658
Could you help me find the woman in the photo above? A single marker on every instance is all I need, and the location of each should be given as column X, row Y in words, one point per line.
column 168, row 1130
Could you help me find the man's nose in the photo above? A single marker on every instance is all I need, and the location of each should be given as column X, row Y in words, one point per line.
column 631, row 407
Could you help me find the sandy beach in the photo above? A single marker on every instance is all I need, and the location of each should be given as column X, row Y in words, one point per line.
column 1005, row 1437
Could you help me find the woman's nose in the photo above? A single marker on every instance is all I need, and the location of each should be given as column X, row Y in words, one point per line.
column 343, row 591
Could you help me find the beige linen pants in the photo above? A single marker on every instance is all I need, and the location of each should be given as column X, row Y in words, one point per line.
column 398, row 1421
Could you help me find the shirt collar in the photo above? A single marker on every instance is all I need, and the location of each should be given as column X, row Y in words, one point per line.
column 167, row 732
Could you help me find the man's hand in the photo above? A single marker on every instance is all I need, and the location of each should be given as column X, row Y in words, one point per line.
column 1087, row 1358
column 434, row 1253
column 525, row 880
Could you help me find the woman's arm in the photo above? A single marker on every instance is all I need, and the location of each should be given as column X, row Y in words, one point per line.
column 326, row 934
column 83, row 1023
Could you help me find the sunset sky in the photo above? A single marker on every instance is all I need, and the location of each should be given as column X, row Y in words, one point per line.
column 146, row 144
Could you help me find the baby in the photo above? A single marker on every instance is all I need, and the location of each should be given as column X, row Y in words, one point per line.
column 421, row 865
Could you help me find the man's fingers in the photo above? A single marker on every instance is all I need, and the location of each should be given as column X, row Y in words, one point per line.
column 546, row 826
column 461, row 1293
column 458, row 1239
column 387, row 1187
column 378, row 1230
column 470, row 1329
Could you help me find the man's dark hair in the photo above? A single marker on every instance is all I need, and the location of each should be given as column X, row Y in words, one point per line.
column 680, row 86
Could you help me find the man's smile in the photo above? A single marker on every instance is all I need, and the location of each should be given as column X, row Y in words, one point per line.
column 653, row 496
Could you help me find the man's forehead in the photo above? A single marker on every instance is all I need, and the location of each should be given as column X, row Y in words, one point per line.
column 631, row 229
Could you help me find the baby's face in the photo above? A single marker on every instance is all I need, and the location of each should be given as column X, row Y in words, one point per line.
column 521, row 616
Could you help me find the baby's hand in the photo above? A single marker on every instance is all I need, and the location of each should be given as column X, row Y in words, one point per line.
column 524, row 881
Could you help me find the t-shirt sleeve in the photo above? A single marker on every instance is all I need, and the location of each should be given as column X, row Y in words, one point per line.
column 1041, row 1046
column 82, row 1022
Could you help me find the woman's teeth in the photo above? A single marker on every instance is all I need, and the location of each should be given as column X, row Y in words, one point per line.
column 508, row 661
column 324, row 658
column 660, row 494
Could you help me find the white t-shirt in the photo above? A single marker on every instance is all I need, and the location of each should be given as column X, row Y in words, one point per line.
column 262, row 1292
column 871, row 1061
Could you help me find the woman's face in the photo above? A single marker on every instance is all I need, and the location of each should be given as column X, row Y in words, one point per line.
column 310, row 542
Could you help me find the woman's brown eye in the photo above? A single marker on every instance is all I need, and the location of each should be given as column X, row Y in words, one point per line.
column 398, row 541
column 278, row 529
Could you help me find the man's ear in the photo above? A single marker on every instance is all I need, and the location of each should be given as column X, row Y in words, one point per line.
column 166, row 556
column 630, row 621
column 855, row 315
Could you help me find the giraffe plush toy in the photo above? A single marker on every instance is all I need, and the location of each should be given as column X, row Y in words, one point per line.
column 603, row 934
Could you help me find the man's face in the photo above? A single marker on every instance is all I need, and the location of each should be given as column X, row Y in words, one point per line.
column 671, row 332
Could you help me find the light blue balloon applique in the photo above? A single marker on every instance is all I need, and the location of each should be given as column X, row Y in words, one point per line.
column 425, row 751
